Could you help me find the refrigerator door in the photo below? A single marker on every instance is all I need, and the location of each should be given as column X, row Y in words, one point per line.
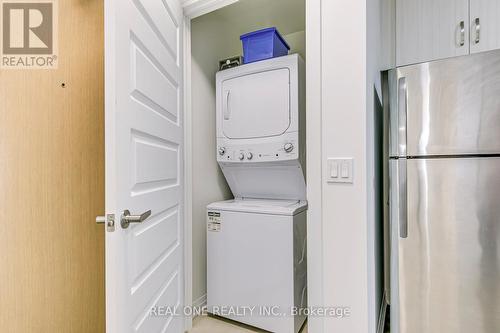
column 447, row 107
column 447, row 270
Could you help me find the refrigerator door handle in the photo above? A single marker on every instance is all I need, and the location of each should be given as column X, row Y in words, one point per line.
column 403, row 199
column 402, row 115
column 477, row 24
column 462, row 34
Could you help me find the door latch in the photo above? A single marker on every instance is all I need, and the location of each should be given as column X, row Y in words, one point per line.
column 109, row 220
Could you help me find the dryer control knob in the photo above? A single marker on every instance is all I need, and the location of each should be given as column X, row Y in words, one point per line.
column 249, row 156
column 241, row 156
column 222, row 151
column 288, row 147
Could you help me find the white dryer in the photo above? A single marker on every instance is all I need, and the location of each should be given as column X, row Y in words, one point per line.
column 261, row 128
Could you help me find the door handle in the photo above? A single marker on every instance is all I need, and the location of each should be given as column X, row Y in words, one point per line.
column 227, row 112
column 477, row 24
column 127, row 218
column 462, row 33
column 402, row 115
column 403, row 199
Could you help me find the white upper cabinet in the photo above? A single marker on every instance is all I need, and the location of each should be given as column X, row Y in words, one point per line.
column 485, row 25
column 427, row 30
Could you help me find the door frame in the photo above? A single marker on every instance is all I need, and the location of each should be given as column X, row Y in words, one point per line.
column 196, row 8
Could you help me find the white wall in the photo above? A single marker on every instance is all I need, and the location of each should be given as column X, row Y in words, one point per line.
column 347, row 266
column 345, row 208
column 212, row 38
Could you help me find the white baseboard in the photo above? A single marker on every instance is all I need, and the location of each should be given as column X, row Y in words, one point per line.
column 201, row 301
column 197, row 303
column 382, row 314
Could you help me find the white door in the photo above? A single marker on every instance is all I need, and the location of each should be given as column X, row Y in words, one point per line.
column 428, row 30
column 485, row 25
column 256, row 105
column 144, row 143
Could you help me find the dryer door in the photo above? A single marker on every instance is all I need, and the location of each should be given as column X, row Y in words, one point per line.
column 256, row 105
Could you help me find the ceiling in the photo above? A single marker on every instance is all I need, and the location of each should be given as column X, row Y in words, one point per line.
column 247, row 15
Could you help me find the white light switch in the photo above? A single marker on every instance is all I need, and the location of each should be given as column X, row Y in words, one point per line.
column 340, row 170
column 345, row 170
column 334, row 170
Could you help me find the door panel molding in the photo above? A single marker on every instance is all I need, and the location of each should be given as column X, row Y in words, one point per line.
column 144, row 163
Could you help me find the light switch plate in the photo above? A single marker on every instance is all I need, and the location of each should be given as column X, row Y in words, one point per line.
column 340, row 170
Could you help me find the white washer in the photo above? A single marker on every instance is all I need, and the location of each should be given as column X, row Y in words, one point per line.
column 257, row 259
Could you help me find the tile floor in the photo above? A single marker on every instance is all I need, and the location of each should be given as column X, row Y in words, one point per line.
column 205, row 324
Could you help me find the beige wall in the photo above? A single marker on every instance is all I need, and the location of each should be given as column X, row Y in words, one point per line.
column 52, row 184
column 212, row 39
column 297, row 42
column 209, row 184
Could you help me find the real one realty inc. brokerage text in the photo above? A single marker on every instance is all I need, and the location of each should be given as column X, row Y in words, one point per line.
column 243, row 311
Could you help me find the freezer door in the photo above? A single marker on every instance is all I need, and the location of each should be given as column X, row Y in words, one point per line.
column 448, row 107
column 448, row 268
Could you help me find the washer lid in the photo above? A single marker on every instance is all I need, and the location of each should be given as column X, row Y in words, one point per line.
column 262, row 206
column 266, row 180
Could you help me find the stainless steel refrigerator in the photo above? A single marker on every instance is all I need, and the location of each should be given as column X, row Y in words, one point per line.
column 445, row 196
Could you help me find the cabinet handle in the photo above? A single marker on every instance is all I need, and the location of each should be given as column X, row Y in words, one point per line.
column 462, row 33
column 478, row 30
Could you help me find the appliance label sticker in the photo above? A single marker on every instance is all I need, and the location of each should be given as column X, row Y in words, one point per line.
column 214, row 221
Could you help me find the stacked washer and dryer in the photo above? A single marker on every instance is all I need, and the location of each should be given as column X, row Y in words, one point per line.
column 256, row 243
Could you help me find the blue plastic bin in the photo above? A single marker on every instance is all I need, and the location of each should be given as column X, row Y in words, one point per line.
column 263, row 44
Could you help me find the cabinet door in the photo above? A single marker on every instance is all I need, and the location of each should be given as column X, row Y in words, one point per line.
column 484, row 25
column 427, row 30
